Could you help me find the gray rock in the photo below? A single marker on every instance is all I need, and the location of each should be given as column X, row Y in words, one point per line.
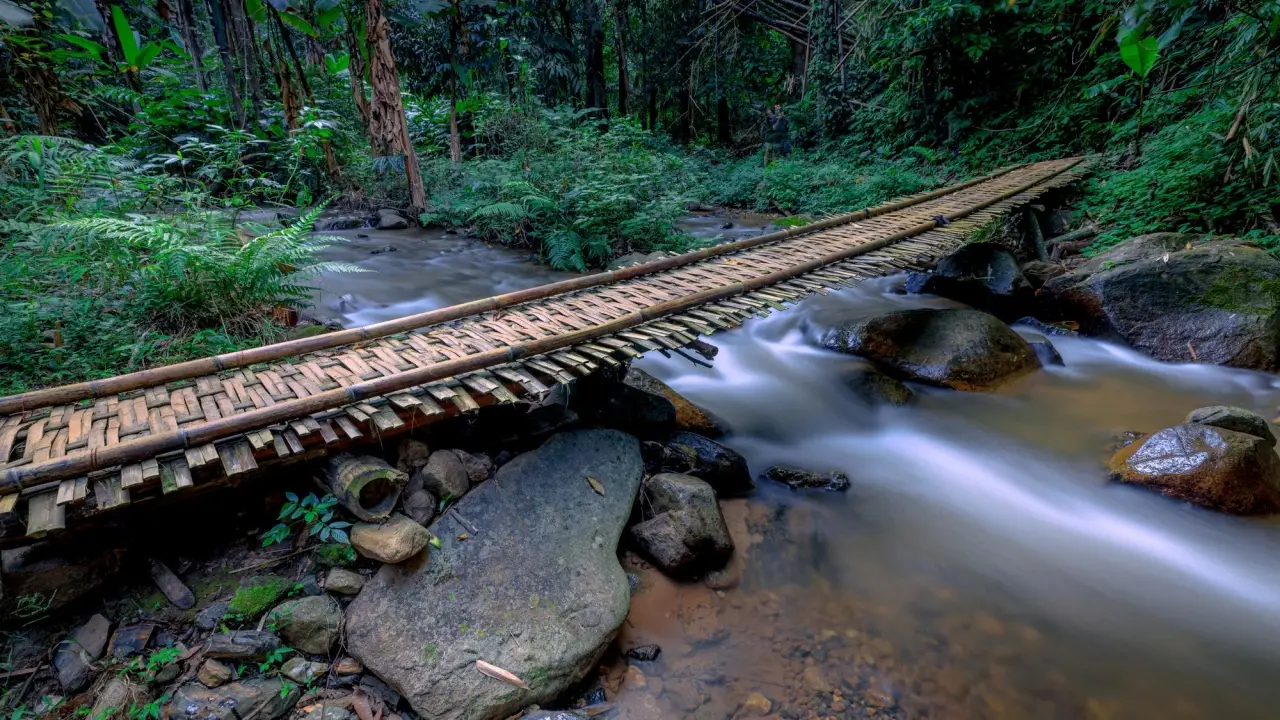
column 686, row 534
column 1210, row 466
column 723, row 469
column 644, row 653
column 303, row 671
column 341, row 222
column 623, row 407
column 479, row 467
column 210, row 615
column 1045, row 352
column 689, row 417
column 327, row 712
column 213, row 674
column 554, row 715
column 537, row 590
column 74, row 656
column 984, row 275
column 391, row 220
column 115, row 699
column 874, row 387
column 956, row 349
column 310, row 624
column 419, row 506
column 130, row 640
column 1038, row 273
column 444, row 475
column 412, row 456
column 634, row 258
column 393, row 541
column 253, row 645
column 1234, row 418
column 257, row 698
column 1217, row 303
column 808, row 479
column 343, row 582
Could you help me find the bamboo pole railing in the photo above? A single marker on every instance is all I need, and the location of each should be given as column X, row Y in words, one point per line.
column 18, row 478
column 265, row 353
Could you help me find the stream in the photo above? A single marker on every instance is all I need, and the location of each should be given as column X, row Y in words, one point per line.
column 980, row 566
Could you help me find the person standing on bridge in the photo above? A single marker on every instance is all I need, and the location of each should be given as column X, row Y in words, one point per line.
column 777, row 133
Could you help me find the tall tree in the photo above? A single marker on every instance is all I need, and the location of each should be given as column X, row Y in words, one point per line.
column 597, row 96
column 222, row 38
column 190, row 33
column 356, row 69
column 388, row 127
column 621, row 21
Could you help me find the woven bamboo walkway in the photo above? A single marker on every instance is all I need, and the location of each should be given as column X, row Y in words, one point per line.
column 70, row 454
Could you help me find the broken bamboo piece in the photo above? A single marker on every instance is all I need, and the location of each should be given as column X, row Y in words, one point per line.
column 365, row 485
column 24, row 476
column 243, row 358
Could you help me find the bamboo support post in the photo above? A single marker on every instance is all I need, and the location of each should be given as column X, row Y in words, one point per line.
column 1033, row 221
column 367, row 486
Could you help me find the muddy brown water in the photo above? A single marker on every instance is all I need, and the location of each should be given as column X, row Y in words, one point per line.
column 980, row 566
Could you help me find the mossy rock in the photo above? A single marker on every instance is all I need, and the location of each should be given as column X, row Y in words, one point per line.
column 256, row 595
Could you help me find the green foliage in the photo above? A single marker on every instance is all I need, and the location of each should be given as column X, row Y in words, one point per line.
column 335, row 554
column 1139, row 53
column 274, row 659
column 256, row 595
column 157, row 660
column 314, row 514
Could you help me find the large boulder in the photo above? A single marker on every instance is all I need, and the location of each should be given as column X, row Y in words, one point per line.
column 955, row 348
column 444, row 476
column 689, row 417
column 526, row 578
column 1213, row 303
column 257, row 698
column 1234, row 418
column 874, row 387
column 722, row 468
column 984, row 275
column 1210, row 466
column 310, row 624
column 394, row 541
column 686, row 534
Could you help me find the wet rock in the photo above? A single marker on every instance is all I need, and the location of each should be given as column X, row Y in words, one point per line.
column 116, row 698
column 393, row 541
column 342, row 222
column 1044, row 328
column 689, row 417
column 212, row 614
column 310, row 585
column 687, row 534
column 213, row 674
column 391, row 220
column 479, row 466
column 635, row 258
column 347, row 666
column 327, row 712
column 74, row 656
column 1038, row 272
column 303, row 671
column 343, row 582
column 1210, row 466
column 259, row 698
column 1217, row 303
column 55, row 573
column 376, row 688
column 1234, row 418
column 130, row 640
column 310, row 624
column 757, row 705
column 799, row 479
column 253, row 645
column 984, row 275
column 1046, row 353
column 723, row 469
column 646, row 415
column 956, row 349
column 875, row 388
column 444, row 476
column 537, row 591
column 644, row 653
column 384, row 249
column 420, row 506
column 554, row 715
column 412, row 456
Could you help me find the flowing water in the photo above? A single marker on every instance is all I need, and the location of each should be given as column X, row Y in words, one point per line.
column 980, row 566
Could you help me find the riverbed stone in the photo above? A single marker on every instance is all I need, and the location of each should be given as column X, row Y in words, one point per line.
column 412, row 456
column 213, row 673
column 419, row 506
column 73, row 659
column 959, row 349
column 800, row 479
column 259, row 698
column 391, row 220
column 1234, row 418
column 1209, row 466
column 211, row 614
column 343, row 581
column 686, row 534
column 689, row 417
column 874, row 387
column 302, row 670
column 535, row 588
column 720, row 467
column 1215, row 303
column 393, row 541
column 246, row 645
column 310, row 624
column 443, row 476
column 983, row 275
column 479, row 466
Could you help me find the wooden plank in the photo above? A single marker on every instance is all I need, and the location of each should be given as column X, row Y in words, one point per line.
column 347, row 427
column 175, row 475
column 130, row 475
column 237, row 458
column 150, row 470
column 386, row 420
column 110, row 493
column 282, row 446
column 8, row 503
column 327, row 432
column 45, row 515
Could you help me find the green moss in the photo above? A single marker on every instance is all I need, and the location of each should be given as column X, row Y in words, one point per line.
column 334, row 554
column 256, row 595
column 1243, row 289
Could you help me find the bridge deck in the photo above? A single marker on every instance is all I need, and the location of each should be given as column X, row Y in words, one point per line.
column 73, row 453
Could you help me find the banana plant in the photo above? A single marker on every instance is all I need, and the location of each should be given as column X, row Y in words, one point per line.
column 136, row 56
column 1140, row 53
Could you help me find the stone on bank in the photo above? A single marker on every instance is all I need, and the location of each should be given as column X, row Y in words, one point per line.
column 535, row 587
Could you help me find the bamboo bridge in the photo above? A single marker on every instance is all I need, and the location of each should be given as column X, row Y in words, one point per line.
column 71, row 454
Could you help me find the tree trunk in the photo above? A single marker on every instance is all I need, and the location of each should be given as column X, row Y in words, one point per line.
column 223, row 40
column 799, row 53
column 7, row 126
column 596, row 96
column 458, row 52
column 653, row 106
column 356, row 73
column 44, row 92
column 684, row 126
column 389, row 127
column 724, row 121
column 620, row 21
column 289, row 98
column 249, row 62
column 190, row 33
column 570, row 60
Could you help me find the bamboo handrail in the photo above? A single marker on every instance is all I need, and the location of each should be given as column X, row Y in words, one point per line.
column 265, row 353
column 15, row 479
